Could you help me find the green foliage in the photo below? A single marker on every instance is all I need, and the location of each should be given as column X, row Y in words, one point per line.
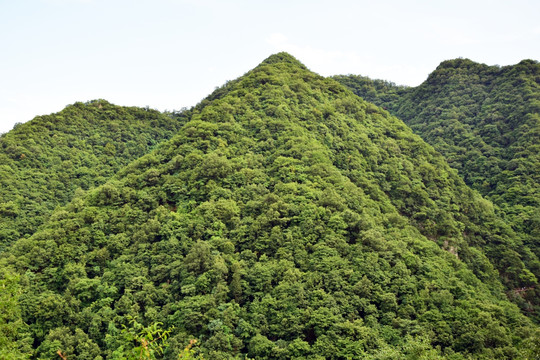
column 486, row 121
column 142, row 343
column 190, row 352
column 46, row 160
column 13, row 344
column 287, row 218
column 64, row 343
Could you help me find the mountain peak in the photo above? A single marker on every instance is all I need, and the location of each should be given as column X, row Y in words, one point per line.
column 457, row 63
column 282, row 57
column 284, row 216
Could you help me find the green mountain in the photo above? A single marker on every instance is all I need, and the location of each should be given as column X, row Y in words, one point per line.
column 287, row 218
column 486, row 121
column 44, row 161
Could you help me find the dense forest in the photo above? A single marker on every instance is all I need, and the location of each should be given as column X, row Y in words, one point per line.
column 286, row 218
column 485, row 120
column 44, row 161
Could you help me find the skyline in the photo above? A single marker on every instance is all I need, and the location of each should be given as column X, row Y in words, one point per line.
column 170, row 54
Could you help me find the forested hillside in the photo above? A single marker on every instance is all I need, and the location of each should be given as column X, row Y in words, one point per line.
column 287, row 218
column 44, row 161
column 486, row 121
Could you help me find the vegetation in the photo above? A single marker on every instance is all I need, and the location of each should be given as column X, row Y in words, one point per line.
column 43, row 162
column 287, row 218
column 486, row 121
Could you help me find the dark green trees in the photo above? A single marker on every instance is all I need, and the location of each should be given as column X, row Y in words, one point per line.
column 486, row 121
column 44, row 161
column 287, row 218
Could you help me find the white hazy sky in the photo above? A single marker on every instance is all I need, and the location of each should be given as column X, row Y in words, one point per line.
column 168, row 54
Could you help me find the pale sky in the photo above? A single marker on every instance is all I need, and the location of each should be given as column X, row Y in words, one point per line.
column 169, row 54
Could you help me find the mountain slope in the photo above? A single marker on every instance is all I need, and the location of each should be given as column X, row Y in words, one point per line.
column 45, row 160
column 486, row 121
column 287, row 218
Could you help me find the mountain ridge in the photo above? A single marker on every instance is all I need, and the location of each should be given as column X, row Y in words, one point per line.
column 486, row 121
column 46, row 159
column 286, row 218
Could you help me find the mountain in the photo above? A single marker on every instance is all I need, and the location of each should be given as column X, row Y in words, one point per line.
column 44, row 161
column 486, row 121
column 287, row 218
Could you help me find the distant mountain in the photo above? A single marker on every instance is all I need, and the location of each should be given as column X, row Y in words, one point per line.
column 287, row 218
column 44, row 161
column 486, row 121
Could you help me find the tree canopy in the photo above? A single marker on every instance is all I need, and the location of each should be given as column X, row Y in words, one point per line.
column 287, row 218
column 44, row 161
column 485, row 120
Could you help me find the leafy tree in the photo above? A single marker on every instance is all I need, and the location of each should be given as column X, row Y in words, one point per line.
column 142, row 343
column 13, row 344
